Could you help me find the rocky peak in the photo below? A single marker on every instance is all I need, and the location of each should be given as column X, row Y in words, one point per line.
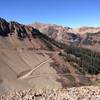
column 57, row 32
column 4, row 27
column 15, row 28
column 22, row 36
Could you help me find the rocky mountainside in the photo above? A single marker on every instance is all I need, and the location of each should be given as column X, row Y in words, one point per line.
column 30, row 37
column 75, row 93
column 87, row 37
column 29, row 58
column 25, row 52
column 4, row 27
column 58, row 33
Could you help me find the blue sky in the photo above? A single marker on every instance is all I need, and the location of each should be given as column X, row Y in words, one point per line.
column 72, row 13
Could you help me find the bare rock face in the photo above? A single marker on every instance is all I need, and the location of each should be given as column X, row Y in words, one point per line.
column 15, row 28
column 15, row 31
column 68, row 34
column 86, row 37
column 18, row 29
column 58, row 33
column 4, row 27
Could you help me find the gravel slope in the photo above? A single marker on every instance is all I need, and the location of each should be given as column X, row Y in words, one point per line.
column 75, row 93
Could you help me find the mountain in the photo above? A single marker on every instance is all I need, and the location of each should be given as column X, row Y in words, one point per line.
column 32, row 58
column 22, row 35
column 23, row 49
column 87, row 37
column 58, row 33
column 85, row 29
column 80, row 30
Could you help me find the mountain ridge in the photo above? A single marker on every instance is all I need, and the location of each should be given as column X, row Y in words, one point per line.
column 79, row 30
column 88, row 37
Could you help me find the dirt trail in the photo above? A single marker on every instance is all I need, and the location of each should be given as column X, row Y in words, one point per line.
column 30, row 72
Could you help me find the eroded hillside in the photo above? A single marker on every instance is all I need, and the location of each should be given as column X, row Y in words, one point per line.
column 30, row 59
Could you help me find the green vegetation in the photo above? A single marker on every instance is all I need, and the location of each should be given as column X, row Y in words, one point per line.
column 71, row 78
column 88, row 61
column 61, row 69
column 85, row 60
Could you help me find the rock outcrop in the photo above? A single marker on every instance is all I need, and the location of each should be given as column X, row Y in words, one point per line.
column 22, row 31
column 4, row 27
